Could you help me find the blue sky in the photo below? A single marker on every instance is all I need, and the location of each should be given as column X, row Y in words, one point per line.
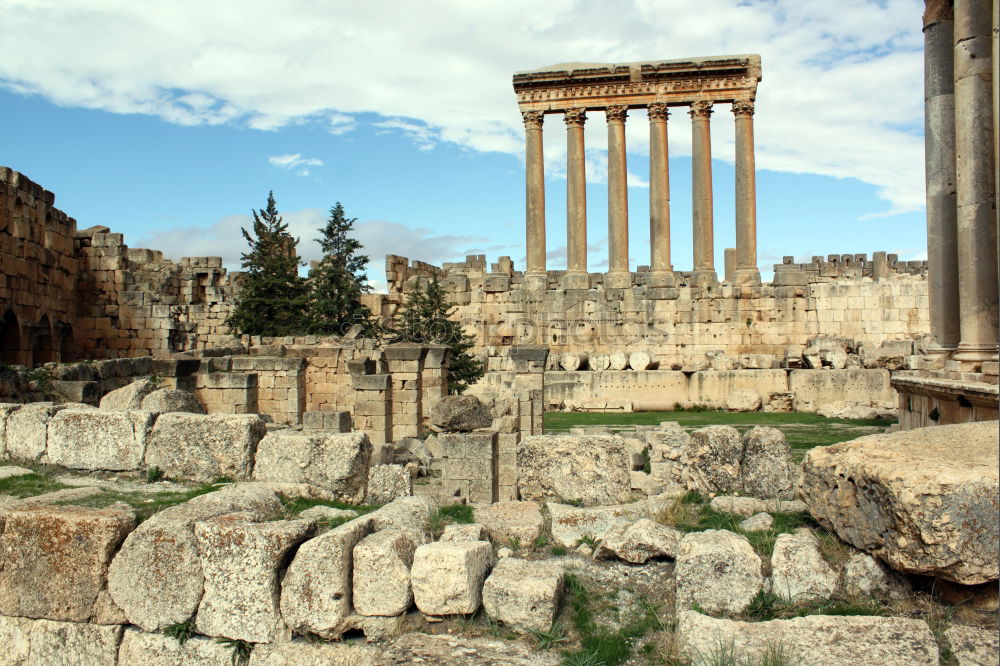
column 170, row 122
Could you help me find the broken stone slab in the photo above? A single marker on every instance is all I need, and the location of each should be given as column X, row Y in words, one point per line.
column 407, row 514
column 460, row 413
column 336, row 461
column 973, row 646
column 10, row 471
column 307, row 653
column 154, row 597
column 128, row 397
column 381, row 578
column 316, row 590
column 205, row 447
column 713, row 460
column 468, row 532
column 448, row 577
column 328, row 513
column 798, row 571
column 140, row 647
column 639, row 542
column 814, row 639
column 55, row 559
column 767, row 469
column 291, row 490
column 523, row 594
column 507, row 521
column 387, row 483
column 591, row 469
column 924, row 501
column 758, row 522
column 96, row 439
column 240, row 560
column 74, row 643
column 164, row 400
column 863, row 574
column 25, row 434
column 718, row 570
column 571, row 524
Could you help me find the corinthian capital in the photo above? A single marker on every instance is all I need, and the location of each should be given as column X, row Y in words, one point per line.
column 658, row 111
column 701, row 109
column 616, row 113
column 533, row 119
column 742, row 108
column 575, row 117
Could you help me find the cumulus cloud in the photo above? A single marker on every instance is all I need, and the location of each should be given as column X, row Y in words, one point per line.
column 840, row 95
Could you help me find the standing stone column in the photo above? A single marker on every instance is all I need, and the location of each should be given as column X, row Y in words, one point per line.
column 701, row 181
column 576, row 202
column 618, row 272
column 977, row 225
column 535, row 199
column 939, row 161
column 745, row 271
column 659, row 198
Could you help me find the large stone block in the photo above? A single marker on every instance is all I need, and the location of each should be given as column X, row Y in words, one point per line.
column 381, row 579
column 767, row 469
column 460, row 413
column 26, row 431
column 507, row 521
column 336, row 461
column 447, row 577
column 98, row 439
column 924, row 501
column 639, row 542
column 387, row 483
column 156, row 577
column 6, row 410
column 713, row 460
column 240, row 560
column 73, row 643
column 128, row 397
column 590, row 469
column 15, row 638
column 55, row 559
column 310, row 653
column 163, row 401
column 570, row 524
column 717, row 570
column 139, row 648
column 798, row 571
column 205, row 448
column 523, row 594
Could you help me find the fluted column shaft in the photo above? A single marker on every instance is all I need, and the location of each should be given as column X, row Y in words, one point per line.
column 617, row 197
column 746, row 271
column 576, row 193
column 977, row 225
column 659, row 192
column 535, row 192
column 701, row 165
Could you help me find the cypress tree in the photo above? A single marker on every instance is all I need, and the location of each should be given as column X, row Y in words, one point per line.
column 338, row 281
column 272, row 298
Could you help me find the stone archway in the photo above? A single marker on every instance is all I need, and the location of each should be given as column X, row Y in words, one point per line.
column 43, row 343
column 10, row 339
column 68, row 349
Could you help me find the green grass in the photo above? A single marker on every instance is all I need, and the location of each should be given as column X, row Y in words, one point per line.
column 145, row 505
column 446, row 515
column 768, row 606
column 30, row 485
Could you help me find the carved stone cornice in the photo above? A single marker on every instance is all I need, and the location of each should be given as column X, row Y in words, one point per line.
column 533, row 119
column 575, row 117
column 743, row 108
column 700, row 109
column 616, row 113
column 658, row 111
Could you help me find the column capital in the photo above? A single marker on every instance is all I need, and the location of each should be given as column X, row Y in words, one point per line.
column 701, row 109
column 658, row 111
column 743, row 108
column 616, row 113
column 575, row 117
column 533, row 119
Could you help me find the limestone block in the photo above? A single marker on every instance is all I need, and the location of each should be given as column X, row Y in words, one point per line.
column 523, row 594
column 815, row 639
column 460, row 413
column 743, row 400
column 338, row 462
column 387, row 483
column 467, row 532
column 973, row 646
column 924, row 501
column 408, row 514
column 55, row 559
column 739, row 505
column 639, row 542
column 25, row 434
column 204, row 448
column 599, row 362
column 507, row 521
column 447, row 577
column 758, row 522
column 15, row 637
column 166, row 400
column 591, row 469
column 327, row 513
column 6, row 410
column 316, row 590
column 767, row 469
column 138, row 647
column 128, row 397
column 381, row 579
column 780, row 402
column 98, row 439
column 756, row 361
column 863, row 574
column 798, row 571
column 718, row 570
column 154, row 597
column 570, row 523
column 714, row 456
column 73, row 643
column 307, row 653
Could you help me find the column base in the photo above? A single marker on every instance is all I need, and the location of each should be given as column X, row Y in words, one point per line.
column 576, row 280
column 975, row 354
column 617, row 280
column 536, row 281
column 746, row 276
column 660, row 279
column 704, row 277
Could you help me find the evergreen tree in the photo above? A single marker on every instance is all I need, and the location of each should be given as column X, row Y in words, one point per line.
column 272, row 298
column 337, row 283
column 424, row 319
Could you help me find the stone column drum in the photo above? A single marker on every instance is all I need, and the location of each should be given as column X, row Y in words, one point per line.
column 661, row 274
column 535, row 199
column 618, row 271
column 576, row 202
column 746, row 271
column 701, row 186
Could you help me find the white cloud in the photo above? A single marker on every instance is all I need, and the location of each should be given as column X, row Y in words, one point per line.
column 295, row 162
column 841, row 94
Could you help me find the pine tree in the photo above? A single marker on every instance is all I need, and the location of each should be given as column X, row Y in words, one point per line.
column 272, row 298
column 337, row 283
column 425, row 319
